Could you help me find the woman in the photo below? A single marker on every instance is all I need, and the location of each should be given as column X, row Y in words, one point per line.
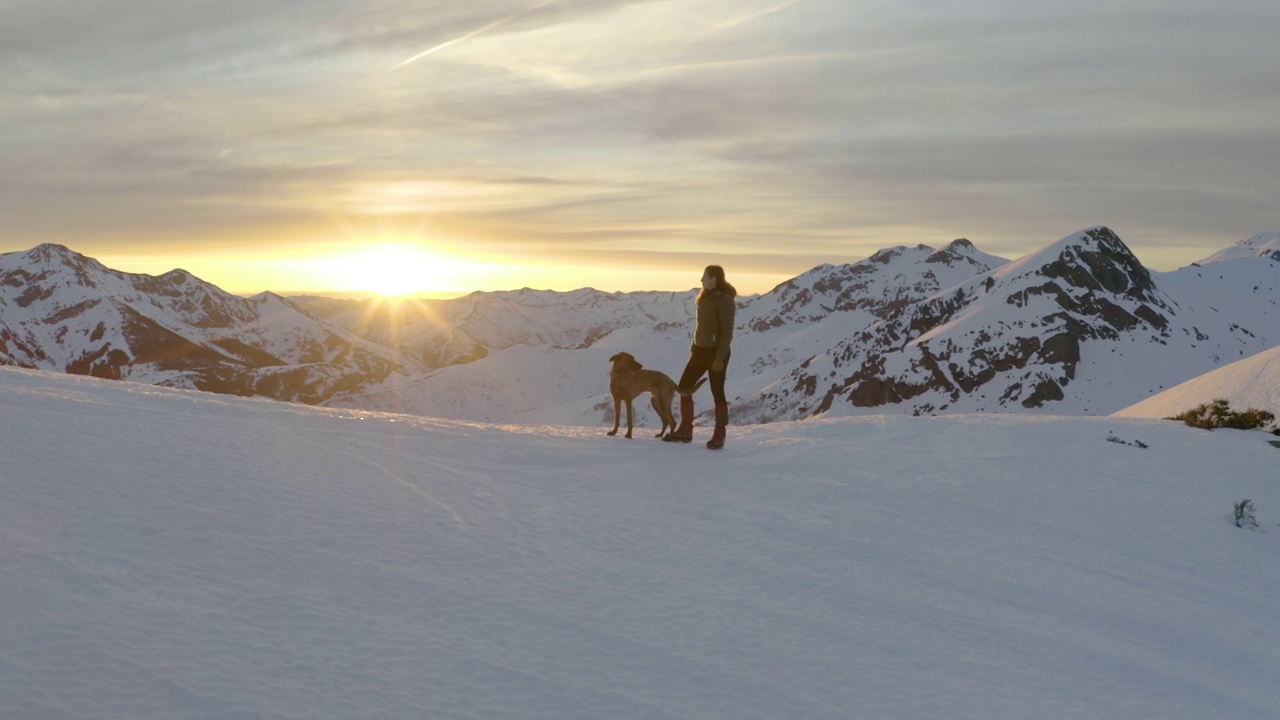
column 709, row 353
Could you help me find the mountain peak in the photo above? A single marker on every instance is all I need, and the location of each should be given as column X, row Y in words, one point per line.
column 1094, row 259
column 51, row 264
column 178, row 276
column 56, row 254
column 887, row 255
column 1264, row 244
column 1103, row 262
column 962, row 251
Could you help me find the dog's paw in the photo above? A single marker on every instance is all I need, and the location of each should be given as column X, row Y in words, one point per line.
column 611, row 433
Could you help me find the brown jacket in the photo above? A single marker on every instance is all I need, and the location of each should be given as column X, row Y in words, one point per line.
column 715, row 324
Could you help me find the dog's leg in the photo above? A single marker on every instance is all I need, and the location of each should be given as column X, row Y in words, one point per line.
column 617, row 416
column 628, row 418
column 664, row 411
column 671, row 415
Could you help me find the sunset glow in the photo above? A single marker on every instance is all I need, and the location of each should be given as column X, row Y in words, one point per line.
column 401, row 148
column 391, row 270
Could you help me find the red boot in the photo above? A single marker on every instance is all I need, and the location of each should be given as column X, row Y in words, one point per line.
column 684, row 433
column 722, row 419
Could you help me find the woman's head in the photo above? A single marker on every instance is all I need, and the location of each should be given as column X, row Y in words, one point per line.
column 713, row 277
column 713, row 281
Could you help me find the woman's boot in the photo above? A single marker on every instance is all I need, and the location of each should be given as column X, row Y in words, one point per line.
column 684, row 433
column 722, row 419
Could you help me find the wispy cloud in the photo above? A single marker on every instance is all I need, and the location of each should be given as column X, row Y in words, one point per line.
column 698, row 124
column 741, row 19
column 473, row 33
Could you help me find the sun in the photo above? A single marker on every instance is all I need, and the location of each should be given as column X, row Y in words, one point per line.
column 392, row 269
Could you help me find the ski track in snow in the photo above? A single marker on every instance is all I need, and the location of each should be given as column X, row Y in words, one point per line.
column 399, row 478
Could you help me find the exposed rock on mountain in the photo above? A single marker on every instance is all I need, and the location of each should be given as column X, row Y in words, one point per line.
column 1079, row 327
column 877, row 287
column 1082, row 321
column 60, row 310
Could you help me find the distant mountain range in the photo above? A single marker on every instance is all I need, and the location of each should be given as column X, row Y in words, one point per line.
column 62, row 311
column 1078, row 327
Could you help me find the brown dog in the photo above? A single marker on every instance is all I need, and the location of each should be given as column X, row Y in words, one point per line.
column 628, row 380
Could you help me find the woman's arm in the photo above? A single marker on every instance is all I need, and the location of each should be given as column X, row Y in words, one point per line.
column 725, row 309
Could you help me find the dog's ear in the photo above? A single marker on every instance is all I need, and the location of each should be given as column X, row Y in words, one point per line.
column 615, row 357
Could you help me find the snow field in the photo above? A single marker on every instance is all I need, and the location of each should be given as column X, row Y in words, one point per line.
column 176, row 554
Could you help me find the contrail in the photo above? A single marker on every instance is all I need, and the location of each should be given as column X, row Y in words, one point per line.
column 759, row 13
column 471, row 34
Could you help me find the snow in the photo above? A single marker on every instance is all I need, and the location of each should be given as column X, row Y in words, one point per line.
column 1266, row 244
column 1253, row 382
column 167, row 553
column 540, row 357
column 807, row 337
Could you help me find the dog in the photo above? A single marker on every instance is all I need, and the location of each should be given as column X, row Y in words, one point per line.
column 628, row 380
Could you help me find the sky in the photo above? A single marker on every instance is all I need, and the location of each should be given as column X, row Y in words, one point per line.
column 207, row 556
column 449, row 146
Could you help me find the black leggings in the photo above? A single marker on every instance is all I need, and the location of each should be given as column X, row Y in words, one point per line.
column 700, row 360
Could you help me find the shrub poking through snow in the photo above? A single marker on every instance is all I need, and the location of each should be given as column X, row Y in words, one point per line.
column 1111, row 437
column 1244, row 514
column 1218, row 414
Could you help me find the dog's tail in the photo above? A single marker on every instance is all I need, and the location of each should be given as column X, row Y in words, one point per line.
column 691, row 390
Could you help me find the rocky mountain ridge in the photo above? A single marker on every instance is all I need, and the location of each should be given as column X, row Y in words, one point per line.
column 1018, row 337
column 63, row 311
column 1080, row 326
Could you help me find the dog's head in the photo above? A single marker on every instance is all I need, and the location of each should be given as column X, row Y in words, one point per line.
column 624, row 362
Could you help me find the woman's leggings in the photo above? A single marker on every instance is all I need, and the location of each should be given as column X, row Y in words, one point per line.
column 700, row 360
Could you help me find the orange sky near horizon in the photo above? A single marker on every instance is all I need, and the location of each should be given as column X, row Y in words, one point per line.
column 399, row 147
column 387, row 267
column 390, row 269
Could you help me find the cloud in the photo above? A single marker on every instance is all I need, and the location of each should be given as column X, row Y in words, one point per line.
column 755, row 15
column 484, row 28
column 703, row 124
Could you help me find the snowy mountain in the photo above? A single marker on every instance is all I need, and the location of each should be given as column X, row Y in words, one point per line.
column 60, row 310
column 1253, row 382
column 1260, row 245
column 1080, row 326
column 568, row 384
column 347, row 564
column 875, row 288
column 440, row 333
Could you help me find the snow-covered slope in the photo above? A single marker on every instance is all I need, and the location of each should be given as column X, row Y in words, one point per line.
column 507, row 384
column 1077, row 327
column 564, row 384
column 873, row 288
column 440, row 333
column 1265, row 244
column 60, row 310
column 1080, row 326
column 1253, row 382
column 176, row 554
